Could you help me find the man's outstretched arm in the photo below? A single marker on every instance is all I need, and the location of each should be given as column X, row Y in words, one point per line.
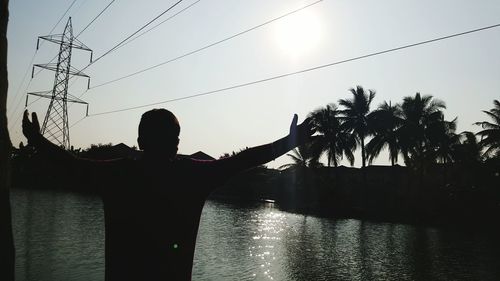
column 31, row 130
column 299, row 134
column 224, row 168
column 83, row 170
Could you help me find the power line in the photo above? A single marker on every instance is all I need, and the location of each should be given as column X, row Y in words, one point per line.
column 17, row 105
column 124, row 41
column 162, row 22
column 60, row 19
column 143, row 33
column 80, row 120
column 208, row 46
column 82, row 3
column 301, row 71
column 130, row 36
column 22, row 83
column 134, row 33
column 95, row 18
column 119, row 46
column 37, row 99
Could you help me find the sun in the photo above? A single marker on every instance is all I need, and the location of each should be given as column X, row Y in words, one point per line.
column 298, row 34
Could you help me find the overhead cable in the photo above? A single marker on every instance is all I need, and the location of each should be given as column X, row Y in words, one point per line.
column 60, row 19
column 300, row 71
column 134, row 33
column 162, row 22
column 95, row 18
column 207, row 46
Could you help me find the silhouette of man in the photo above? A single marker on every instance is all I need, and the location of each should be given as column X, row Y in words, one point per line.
column 152, row 205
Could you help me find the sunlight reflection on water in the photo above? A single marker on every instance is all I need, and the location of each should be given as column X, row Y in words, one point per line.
column 269, row 226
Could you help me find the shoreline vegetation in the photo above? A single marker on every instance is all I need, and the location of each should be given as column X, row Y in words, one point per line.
column 449, row 178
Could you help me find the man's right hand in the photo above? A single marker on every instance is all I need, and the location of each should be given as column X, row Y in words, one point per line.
column 31, row 129
column 302, row 133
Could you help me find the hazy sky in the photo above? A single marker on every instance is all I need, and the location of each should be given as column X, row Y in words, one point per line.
column 464, row 72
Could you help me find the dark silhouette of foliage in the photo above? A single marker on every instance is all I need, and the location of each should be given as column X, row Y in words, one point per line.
column 384, row 123
column 468, row 151
column 99, row 151
column 490, row 136
column 421, row 116
column 233, row 153
column 442, row 139
column 334, row 139
column 355, row 115
column 303, row 157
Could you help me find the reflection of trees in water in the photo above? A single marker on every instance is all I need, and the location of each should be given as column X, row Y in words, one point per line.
column 383, row 253
column 465, row 254
column 35, row 254
column 28, row 223
column 301, row 254
column 320, row 249
column 53, row 243
column 317, row 249
column 418, row 249
column 364, row 254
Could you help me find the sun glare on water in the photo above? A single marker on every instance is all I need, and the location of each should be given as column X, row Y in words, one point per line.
column 298, row 34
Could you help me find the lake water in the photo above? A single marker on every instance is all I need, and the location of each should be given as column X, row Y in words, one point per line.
column 60, row 236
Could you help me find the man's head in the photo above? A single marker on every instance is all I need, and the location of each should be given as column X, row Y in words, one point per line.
column 159, row 132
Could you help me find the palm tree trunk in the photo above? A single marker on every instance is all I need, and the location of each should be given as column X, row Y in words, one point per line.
column 7, row 256
column 363, row 157
column 335, row 164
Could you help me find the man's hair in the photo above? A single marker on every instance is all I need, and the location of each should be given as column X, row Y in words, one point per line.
column 159, row 123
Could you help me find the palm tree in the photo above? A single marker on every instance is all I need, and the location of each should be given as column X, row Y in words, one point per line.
column 490, row 136
column 383, row 124
column 442, row 140
column 302, row 157
column 333, row 138
column 355, row 115
column 420, row 116
column 468, row 151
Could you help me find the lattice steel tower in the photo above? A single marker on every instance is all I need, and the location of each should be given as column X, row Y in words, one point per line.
column 55, row 124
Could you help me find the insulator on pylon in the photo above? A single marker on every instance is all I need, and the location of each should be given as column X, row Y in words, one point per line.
column 87, row 113
column 33, row 72
column 26, row 104
column 37, row 43
column 91, row 54
column 88, row 84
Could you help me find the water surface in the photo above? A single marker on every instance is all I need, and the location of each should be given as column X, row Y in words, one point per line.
column 60, row 236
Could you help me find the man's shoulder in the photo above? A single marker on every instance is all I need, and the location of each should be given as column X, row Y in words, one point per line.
column 117, row 161
column 186, row 160
column 118, row 164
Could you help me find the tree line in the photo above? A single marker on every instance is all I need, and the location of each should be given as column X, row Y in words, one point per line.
column 414, row 129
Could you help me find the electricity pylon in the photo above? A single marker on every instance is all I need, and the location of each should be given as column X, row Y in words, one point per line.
column 55, row 124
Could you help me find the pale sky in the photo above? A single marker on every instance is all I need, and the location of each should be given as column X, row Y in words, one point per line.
column 464, row 71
